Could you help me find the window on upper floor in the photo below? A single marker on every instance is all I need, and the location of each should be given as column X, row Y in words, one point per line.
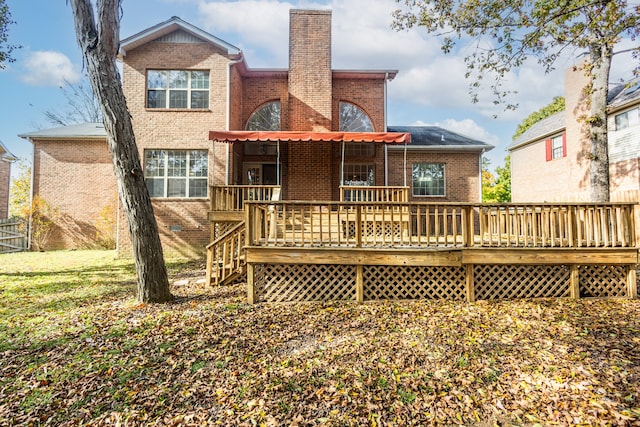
column 628, row 118
column 176, row 173
column 556, row 147
column 183, row 89
column 354, row 119
column 264, row 118
column 428, row 179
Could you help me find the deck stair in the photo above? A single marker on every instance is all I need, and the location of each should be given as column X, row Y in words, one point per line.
column 225, row 257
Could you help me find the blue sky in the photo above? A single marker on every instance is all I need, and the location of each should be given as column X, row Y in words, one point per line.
column 430, row 87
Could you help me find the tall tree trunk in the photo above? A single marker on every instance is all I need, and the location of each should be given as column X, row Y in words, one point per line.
column 599, row 153
column 99, row 47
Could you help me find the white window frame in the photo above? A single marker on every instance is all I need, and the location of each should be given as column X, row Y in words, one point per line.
column 444, row 180
column 557, row 147
column 632, row 118
column 354, row 118
column 164, row 175
column 189, row 89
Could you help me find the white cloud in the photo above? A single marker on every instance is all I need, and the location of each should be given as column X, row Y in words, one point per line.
column 49, row 68
column 362, row 38
column 262, row 25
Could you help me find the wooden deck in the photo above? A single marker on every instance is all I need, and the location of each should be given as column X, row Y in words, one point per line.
column 304, row 251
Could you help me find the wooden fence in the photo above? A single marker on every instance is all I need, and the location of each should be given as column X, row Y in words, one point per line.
column 13, row 235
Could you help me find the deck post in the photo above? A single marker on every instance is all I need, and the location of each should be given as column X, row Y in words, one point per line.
column 469, row 284
column 574, row 281
column 468, row 231
column 632, row 285
column 573, row 227
column 209, row 265
column 251, row 288
column 359, row 283
column 249, row 223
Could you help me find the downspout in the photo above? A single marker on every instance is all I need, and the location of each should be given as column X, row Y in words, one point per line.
column 480, row 169
column 386, row 152
column 228, row 119
column 342, row 165
column 404, row 172
column 33, row 164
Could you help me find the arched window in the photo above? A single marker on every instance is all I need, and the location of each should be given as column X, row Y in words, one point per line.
column 265, row 118
column 354, row 119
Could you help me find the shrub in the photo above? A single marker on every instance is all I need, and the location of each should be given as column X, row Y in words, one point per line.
column 43, row 217
column 106, row 227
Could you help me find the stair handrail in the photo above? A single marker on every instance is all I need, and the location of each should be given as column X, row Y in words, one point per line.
column 236, row 229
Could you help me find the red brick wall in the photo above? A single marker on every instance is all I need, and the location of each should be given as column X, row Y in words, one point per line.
column 310, row 70
column 5, row 172
column 368, row 94
column 182, row 129
column 259, row 90
column 310, row 165
column 75, row 178
column 462, row 174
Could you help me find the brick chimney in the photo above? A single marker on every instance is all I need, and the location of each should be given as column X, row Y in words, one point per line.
column 310, row 101
column 310, row 70
column 576, row 99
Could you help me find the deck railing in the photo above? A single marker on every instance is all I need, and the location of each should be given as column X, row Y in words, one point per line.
column 387, row 224
column 232, row 197
column 374, row 193
column 225, row 255
column 558, row 225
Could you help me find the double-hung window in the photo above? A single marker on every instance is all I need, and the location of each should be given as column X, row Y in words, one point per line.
column 176, row 173
column 628, row 119
column 556, row 147
column 185, row 89
column 428, row 179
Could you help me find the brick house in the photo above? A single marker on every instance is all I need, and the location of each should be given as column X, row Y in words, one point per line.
column 203, row 118
column 6, row 158
column 548, row 161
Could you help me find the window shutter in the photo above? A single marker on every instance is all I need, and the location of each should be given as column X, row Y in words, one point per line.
column 547, row 144
column 564, row 144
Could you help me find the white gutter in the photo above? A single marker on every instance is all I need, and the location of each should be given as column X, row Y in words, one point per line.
column 443, row 148
column 228, row 120
column 342, row 165
column 386, row 151
column 33, row 163
column 480, row 173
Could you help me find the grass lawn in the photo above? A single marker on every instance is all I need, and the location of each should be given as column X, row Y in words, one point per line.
column 77, row 349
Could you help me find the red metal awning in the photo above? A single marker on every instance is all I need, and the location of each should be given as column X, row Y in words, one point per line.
column 290, row 136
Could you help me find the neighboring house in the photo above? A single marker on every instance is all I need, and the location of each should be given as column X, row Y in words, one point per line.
column 549, row 161
column 73, row 172
column 203, row 119
column 6, row 158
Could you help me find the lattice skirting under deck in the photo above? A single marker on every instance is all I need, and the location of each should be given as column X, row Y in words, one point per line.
column 310, row 282
column 397, row 282
column 603, row 280
column 296, row 283
column 496, row 282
